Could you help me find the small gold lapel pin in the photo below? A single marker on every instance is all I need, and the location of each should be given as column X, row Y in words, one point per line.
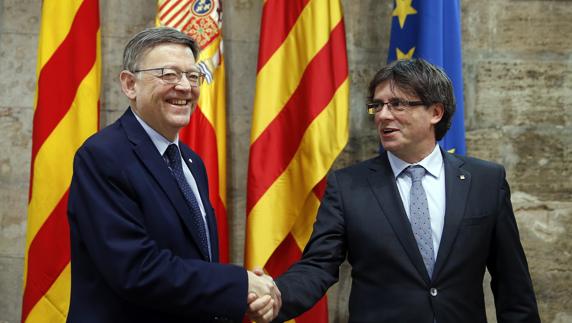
column 462, row 177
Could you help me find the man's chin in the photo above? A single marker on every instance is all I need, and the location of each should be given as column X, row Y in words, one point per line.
column 181, row 121
column 388, row 146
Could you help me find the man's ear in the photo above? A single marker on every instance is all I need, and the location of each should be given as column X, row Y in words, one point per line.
column 128, row 84
column 438, row 112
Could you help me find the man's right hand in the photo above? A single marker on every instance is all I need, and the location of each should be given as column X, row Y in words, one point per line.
column 264, row 299
column 260, row 285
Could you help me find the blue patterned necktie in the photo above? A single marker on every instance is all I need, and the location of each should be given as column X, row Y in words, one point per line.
column 419, row 217
column 174, row 160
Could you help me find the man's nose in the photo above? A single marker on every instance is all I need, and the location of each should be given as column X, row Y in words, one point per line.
column 384, row 113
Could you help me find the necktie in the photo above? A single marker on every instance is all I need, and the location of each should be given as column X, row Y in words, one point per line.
column 174, row 160
column 419, row 217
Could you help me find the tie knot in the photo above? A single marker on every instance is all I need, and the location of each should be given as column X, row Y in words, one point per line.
column 172, row 154
column 416, row 172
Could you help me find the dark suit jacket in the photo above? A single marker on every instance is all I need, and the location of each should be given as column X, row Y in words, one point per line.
column 134, row 251
column 362, row 217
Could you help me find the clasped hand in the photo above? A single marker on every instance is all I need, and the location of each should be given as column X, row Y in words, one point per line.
column 264, row 298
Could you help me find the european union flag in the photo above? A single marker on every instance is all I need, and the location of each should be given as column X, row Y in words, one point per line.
column 431, row 29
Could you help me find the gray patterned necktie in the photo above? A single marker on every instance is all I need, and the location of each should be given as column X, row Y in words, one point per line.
column 175, row 165
column 419, row 217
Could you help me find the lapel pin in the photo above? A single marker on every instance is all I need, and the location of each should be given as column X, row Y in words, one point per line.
column 190, row 160
column 462, row 177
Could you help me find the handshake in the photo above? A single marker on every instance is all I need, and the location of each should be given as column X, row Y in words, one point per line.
column 264, row 298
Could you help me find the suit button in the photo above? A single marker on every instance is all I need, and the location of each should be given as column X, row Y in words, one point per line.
column 433, row 291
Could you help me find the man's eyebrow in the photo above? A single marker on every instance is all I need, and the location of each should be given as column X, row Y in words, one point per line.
column 192, row 69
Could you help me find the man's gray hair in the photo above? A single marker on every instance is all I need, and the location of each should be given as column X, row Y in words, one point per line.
column 145, row 40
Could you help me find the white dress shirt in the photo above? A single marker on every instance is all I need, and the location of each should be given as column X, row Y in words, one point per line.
column 161, row 143
column 434, row 185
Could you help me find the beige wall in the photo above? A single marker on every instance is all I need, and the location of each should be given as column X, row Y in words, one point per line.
column 518, row 79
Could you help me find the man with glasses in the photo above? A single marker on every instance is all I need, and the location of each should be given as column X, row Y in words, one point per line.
column 418, row 225
column 144, row 244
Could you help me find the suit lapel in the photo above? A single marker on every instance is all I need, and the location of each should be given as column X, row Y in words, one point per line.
column 385, row 190
column 457, row 184
column 153, row 161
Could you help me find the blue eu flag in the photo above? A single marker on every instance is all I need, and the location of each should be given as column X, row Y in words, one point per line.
column 431, row 29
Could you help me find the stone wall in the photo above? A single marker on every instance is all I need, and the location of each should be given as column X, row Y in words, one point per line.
column 518, row 74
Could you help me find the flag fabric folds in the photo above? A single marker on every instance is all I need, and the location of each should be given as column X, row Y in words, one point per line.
column 299, row 127
column 66, row 113
column 206, row 132
column 432, row 30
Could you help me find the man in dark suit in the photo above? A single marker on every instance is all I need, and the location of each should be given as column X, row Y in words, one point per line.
column 418, row 225
column 144, row 244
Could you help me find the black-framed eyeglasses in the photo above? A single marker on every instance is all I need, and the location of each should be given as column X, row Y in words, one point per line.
column 173, row 76
column 393, row 105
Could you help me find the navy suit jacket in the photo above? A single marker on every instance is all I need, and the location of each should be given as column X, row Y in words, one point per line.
column 134, row 252
column 362, row 217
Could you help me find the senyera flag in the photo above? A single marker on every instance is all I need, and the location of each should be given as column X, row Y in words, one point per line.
column 66, row 112
column 299, row 127
column 206, row 133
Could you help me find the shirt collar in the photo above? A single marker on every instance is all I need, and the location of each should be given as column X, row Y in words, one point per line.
column 433, row 163
column 160, row 142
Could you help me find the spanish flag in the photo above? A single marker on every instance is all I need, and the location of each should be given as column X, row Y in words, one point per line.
column 66, row 113
column 299, row 127
column 206, row 132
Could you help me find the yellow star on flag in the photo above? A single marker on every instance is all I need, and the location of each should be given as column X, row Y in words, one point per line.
column 402, row 55
column 402, row 9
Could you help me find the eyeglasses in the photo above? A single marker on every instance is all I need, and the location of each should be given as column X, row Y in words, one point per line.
column 174, row 76
column 393, row 105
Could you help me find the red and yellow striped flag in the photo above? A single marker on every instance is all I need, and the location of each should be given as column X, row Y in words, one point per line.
column 299, row 127
column 206, row 132
column 66, row 113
